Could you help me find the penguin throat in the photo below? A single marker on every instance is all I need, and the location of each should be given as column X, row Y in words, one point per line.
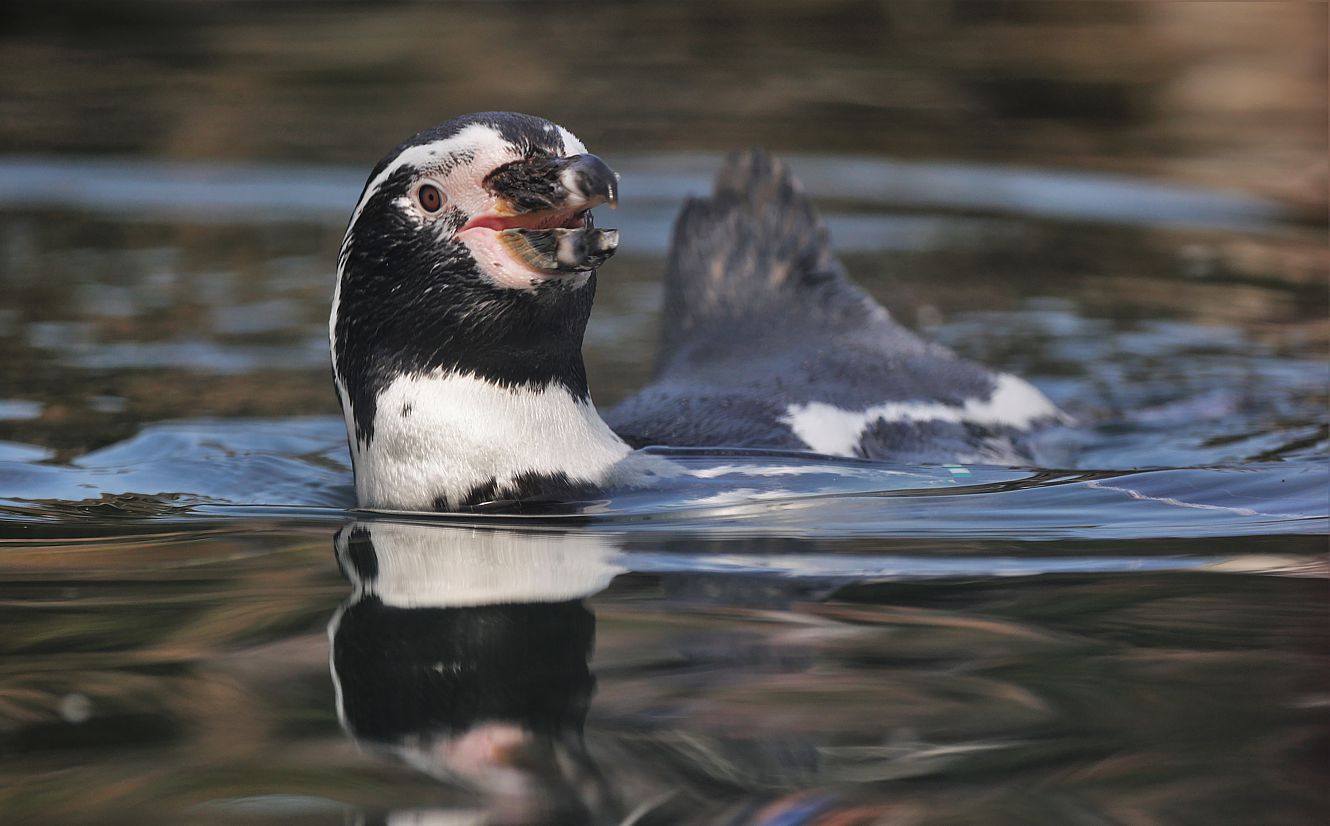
column 411, row 320
column 447, row 440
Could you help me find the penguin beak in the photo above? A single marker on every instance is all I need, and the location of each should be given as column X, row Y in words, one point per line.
column 541, row 212
column 546, row 184
column 588, row 178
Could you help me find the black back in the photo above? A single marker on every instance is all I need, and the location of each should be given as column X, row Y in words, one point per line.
column 759, row 314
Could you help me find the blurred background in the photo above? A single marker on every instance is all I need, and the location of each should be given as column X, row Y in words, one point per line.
column 1227, row 93
column 175, row 176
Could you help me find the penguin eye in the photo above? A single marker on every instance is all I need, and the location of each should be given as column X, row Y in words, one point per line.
column 430, row 198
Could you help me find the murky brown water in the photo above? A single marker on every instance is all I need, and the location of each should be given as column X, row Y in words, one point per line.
column 1124, row 202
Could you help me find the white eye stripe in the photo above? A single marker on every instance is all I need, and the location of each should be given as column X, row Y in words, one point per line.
column 474, row 138
column 476, row 146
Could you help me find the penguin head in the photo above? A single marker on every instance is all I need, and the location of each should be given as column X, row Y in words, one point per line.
column 472, row 249
column 497, row 196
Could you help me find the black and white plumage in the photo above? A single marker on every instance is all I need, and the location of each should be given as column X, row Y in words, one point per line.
column 465, row 653
column 767, row 343
column 456, row 332
column 457, row 360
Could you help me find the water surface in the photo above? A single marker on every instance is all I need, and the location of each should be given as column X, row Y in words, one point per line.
column 199, row 629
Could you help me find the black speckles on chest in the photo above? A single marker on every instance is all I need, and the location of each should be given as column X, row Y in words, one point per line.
column 527, row 493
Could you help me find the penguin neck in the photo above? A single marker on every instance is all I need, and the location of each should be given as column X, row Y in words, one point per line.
column 448, row 440
column 465, row 393
column 412, row 308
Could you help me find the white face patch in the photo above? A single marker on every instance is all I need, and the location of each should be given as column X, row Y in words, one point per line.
column 458, row 166
column 461, row 185
column 461, row 181
column 828, row 429
column 506, row 269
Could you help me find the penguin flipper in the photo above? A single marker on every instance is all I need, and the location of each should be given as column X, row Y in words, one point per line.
column 755, row 249
column 767, row 343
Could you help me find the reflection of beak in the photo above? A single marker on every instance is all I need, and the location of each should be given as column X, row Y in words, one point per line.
column 542, row 211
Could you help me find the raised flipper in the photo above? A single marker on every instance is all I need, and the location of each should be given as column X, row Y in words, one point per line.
column 767, row 343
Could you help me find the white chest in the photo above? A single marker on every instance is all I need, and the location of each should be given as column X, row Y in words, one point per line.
column 439, row 436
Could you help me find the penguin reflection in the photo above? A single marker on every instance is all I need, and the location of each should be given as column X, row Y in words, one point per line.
column 464, row 652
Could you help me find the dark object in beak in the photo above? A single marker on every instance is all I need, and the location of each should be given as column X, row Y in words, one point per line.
column 562, row 250
column 548, row 184
column 543, row 211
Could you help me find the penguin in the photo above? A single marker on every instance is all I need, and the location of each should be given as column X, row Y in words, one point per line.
column 465, row 282
column 767, row 343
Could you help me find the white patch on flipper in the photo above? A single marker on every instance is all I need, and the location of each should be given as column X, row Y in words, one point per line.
column 461, row 431
column 828, row 429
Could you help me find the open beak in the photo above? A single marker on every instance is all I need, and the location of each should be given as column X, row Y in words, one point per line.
column 547, row 184
column 542, row 212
